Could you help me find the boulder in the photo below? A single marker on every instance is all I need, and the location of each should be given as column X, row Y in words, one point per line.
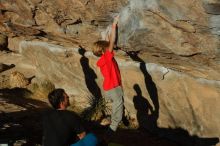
column 172, row 98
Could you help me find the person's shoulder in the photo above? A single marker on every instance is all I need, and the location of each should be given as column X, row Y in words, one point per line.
column 109, row 53
column 48, row 112
column 53, row 112
column 70, row 113
column 101, row 61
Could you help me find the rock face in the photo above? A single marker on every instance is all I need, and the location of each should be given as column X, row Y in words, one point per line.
column 183, row 28
column 172, row 64
column 175, row 99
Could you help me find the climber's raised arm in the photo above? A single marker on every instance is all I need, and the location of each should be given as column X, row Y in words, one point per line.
column 113, row 33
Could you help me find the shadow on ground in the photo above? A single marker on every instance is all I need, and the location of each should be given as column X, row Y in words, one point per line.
column 20, row 116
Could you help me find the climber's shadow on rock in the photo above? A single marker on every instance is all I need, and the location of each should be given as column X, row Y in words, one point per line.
column 150, row 86
column 147, row 123
column 89, row 74
column 145, row 112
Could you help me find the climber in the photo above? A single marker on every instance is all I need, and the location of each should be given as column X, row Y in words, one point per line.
column 112, row 84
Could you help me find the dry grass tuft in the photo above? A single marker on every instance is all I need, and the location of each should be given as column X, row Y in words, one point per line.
column 97, row 110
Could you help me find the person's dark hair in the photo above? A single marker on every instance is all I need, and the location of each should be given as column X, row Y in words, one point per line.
column 56, row 97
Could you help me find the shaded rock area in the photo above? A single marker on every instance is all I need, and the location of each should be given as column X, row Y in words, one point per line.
column 3, row 42
column 168, row 54
column 20, row 117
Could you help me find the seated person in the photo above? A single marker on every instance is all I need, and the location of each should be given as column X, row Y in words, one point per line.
column 62, row 127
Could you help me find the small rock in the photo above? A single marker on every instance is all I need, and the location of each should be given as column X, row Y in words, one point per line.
column 17, row 79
